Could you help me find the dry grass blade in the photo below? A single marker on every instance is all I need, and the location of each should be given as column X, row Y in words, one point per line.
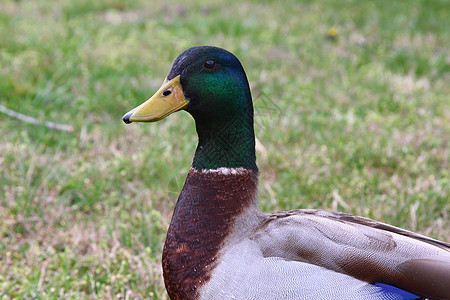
column 31, row 120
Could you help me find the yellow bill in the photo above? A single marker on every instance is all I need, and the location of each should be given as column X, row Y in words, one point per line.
column 167, row 100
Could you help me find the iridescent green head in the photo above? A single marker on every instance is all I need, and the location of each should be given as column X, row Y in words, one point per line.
column 211, row 85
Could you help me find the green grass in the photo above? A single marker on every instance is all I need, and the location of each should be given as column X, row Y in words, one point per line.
column 359, row 124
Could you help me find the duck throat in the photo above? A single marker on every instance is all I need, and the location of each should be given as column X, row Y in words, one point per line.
column 208, row 210
column 228, row 143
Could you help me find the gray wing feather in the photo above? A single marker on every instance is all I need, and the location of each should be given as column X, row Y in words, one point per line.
column 361, row 248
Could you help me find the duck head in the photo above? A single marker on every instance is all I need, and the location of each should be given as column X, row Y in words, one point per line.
column 210, row 84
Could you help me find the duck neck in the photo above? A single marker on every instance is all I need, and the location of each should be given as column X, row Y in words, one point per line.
column 210, row 210
column 228, row 142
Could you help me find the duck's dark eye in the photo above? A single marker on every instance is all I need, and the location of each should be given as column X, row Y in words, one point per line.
column 209, row 64
column 167, row 93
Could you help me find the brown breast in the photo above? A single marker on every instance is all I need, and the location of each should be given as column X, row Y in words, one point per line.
column 204, row 215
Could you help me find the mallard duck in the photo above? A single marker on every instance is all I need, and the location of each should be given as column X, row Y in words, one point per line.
column 221, row 246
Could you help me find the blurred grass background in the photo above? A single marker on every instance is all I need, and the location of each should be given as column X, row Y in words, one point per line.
column 357, row 122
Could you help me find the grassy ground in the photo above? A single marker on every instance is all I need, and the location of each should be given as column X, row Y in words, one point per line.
column 357, row 123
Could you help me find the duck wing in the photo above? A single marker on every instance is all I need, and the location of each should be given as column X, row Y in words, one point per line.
column 367, row 250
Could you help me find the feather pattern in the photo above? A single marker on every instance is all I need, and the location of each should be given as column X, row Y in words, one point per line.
column 292, row 253
column 244, row 273
column 220, row 246
column 208, row 206
column 362, row 248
